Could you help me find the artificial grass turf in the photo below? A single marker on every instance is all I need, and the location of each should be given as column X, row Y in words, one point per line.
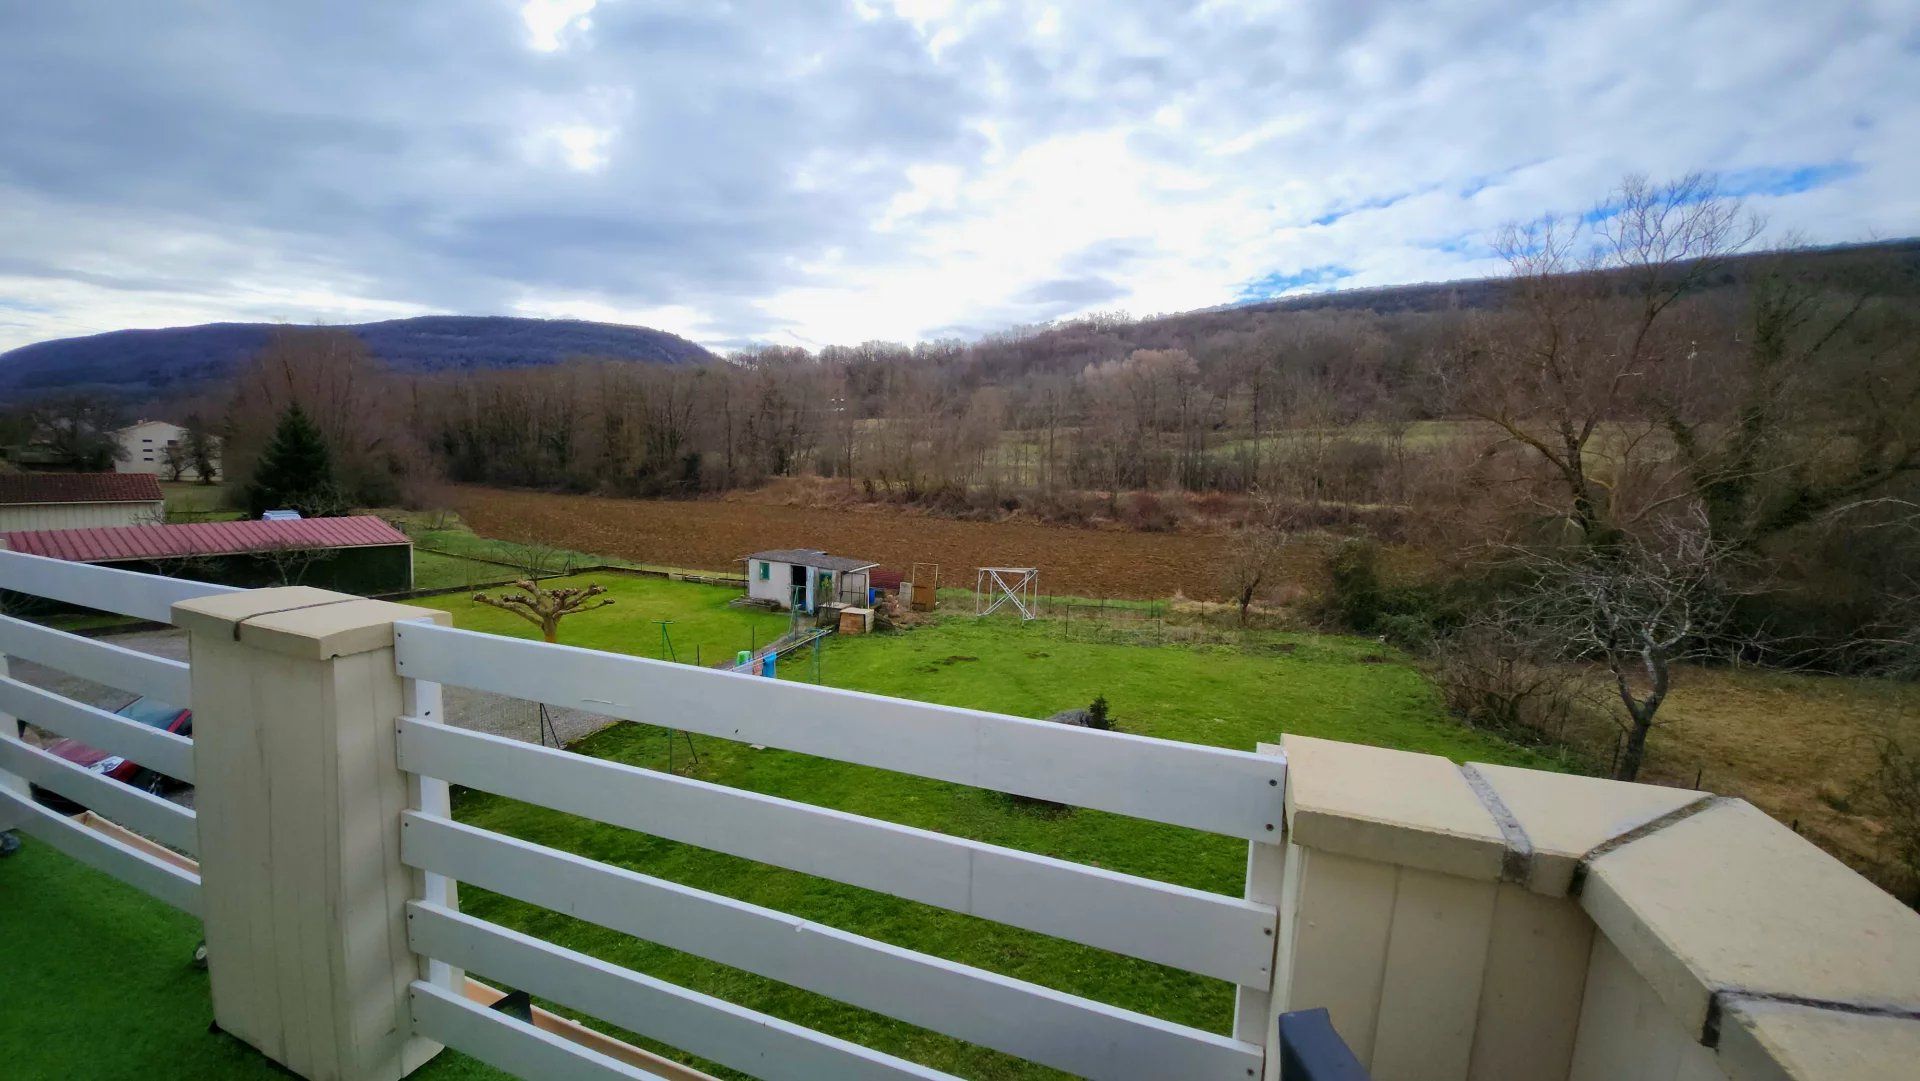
column 98, row 983
column 1229, row 696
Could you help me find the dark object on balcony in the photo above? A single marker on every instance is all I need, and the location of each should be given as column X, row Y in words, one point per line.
column 515, row 1004
column 1310, row 1050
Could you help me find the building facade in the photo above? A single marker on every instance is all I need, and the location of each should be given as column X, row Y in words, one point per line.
column 145, row 445
column 79, row 500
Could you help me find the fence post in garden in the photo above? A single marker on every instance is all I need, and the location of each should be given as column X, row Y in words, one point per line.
column 295, row 697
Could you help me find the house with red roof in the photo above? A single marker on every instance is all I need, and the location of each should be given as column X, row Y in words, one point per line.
column 79, row 500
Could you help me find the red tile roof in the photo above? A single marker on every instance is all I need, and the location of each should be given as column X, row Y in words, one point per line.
column 79, row 488
column 115, row 543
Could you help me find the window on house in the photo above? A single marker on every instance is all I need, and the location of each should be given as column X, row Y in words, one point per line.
column 766, row 570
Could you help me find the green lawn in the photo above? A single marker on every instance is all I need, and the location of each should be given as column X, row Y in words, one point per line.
column 431, row 570
column 1229, row 695
column 701, row 619
column 188, row 501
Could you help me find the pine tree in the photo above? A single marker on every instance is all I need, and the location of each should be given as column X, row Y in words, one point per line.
column 295, row 472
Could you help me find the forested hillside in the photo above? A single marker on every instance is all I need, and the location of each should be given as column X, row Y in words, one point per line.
column 179, row 360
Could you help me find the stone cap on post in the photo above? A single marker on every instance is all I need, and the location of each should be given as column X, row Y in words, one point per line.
column 1776, row 954
column 1398, row 807
column 300, row 621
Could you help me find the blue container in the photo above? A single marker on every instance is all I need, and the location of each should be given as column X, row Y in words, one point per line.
column 767, row 667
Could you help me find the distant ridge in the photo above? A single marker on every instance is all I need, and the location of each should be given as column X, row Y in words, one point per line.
column 177, row 359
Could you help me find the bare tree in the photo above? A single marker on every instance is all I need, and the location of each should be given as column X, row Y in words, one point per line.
column 1253, row 558
column 288, row 564
column 545, row 608
column 1583, row 335
column 1641, row 606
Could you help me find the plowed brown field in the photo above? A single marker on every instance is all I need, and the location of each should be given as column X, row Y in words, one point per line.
column 714, row 535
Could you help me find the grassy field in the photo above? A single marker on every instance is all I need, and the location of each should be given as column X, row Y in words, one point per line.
column 1223, row 695
column 1801, row 747
column 188, row 501
column 702, row 620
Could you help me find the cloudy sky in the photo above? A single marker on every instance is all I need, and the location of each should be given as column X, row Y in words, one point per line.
column 899, row 169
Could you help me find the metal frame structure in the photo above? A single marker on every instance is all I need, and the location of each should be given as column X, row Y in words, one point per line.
column 997, row 586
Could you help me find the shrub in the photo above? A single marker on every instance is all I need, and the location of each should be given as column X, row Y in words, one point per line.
column 1097, row 714
column 1493, row 677
column 1899, row 783
column 1354, row 573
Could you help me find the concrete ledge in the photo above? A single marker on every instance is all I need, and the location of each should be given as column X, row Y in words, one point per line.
column 298, row 621
column 1566, row 816
column 1394, row 807
column 1776, row 1041
column 1730, row 901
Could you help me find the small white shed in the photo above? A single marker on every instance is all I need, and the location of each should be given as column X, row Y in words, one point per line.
column 814, row 578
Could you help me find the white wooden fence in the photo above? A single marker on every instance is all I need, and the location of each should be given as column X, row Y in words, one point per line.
column 1238, row 794
column 139, row 595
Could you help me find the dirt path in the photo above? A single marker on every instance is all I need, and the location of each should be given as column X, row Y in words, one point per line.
column 713, row 535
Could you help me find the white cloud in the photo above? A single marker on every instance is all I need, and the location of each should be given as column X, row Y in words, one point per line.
column 550, row 22
column 900, row 169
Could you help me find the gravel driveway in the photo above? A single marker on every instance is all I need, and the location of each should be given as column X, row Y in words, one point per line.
column 478, row 710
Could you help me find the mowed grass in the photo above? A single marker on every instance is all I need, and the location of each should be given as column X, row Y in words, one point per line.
column 701, row 621
column 431, row 570
column 191, row 501
column 99, row 983
column 146, row 1002
column 1224, row 696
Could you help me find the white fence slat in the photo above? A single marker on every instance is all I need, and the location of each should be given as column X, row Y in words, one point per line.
column 130, row 593
column 1232, row 792
column 712, row 1028
column 164, row 821
column 1214, row 935
column 155, row 749
column 1026, row 1020
column 151, row 747
column 102, row 662
column 507, row 1043
column 148, row 874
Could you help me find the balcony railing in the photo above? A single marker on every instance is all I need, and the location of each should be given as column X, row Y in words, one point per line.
column 1455, row 925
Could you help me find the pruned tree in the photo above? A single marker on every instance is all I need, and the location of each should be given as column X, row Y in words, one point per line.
column 545, row 608
column 1641, row 606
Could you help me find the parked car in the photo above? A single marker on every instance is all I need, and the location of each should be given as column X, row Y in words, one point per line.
column 148, row 711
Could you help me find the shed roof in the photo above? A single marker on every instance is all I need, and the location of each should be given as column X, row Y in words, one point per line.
column 20, row 488
column 813, row 557
column 117, row 543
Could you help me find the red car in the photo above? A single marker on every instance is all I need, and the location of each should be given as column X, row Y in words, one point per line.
column 147, row 711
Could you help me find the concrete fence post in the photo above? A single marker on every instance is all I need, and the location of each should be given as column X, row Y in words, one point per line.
column 295, row 697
